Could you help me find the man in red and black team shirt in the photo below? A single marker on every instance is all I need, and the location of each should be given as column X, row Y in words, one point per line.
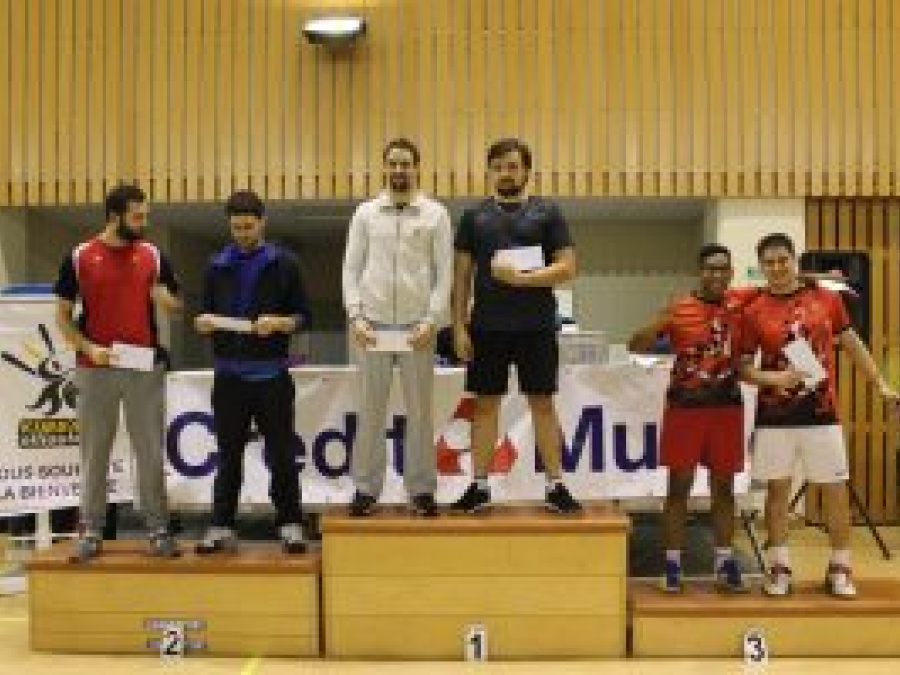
column 120, row 279
column 703, row 417
column 797, row 418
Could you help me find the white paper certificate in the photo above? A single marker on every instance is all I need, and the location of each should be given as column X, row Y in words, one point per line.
column 523, row 258
column 132, row 357
column 803, row 358
column 231, row 324
column 391, row 341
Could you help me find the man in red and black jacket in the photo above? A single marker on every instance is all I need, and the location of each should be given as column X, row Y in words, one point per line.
column 120, row 280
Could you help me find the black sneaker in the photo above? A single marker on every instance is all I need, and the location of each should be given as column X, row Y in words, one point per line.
column 474, row 499
column 424, row 505
column 362, row 505
column 560, row 500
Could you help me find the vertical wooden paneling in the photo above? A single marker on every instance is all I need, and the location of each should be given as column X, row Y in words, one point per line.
column 765, row 28
column 681, row 11
column 241, row 95
column 872, row 226
column 184, row 69
column 292, row 101
column 816, row 126
column 5, row 95
column 622, row 97
column 834, row 109
column 787, row 80
column 883, row 90
column 197, row 140
column 65, row 60
column 850, row 78
column 631, row 87
column 160, row 128
column 615, row 97
column 477, row 92
column 797, row 133
column 890, row 327
column 425, row 44
column 309, row 108
column 750, row 94
column 49, row 40
column 698, row 119
column 441, row 125
column 714, row 54
column 866, row 130
column 144, row 89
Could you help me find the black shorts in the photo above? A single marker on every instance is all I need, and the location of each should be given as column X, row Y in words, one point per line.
column 535, row 354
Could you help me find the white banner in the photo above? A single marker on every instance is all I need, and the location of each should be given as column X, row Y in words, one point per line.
column 609, row 416
column 39, row 459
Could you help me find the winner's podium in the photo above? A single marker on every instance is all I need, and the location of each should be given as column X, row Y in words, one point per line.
column 257, row 601
column 524, row 582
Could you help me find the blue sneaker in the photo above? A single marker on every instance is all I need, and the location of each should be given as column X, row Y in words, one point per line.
column 729, row 579
column 671, row 582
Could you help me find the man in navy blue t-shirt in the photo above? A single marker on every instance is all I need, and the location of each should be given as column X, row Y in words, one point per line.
column 518, row 248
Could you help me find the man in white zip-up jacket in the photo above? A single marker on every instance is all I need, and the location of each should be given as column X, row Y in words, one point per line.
column 396, row 283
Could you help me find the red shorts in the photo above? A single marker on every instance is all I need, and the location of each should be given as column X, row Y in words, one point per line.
column 711, row 436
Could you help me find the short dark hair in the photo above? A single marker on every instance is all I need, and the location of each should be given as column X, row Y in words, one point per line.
column 403, row 144
column 120, row 196
column 505, row 145
column 709, row 250
column 775, row 240
column 245, row 203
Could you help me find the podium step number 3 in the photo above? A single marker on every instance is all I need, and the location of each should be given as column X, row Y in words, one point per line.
column 756, row 651
column 476, row 643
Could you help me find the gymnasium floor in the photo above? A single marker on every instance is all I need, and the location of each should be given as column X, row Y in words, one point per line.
column 809, row 557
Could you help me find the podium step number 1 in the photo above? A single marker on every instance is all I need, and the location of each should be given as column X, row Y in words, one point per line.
column 476, row 643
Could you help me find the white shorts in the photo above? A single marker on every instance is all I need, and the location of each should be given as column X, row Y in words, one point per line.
column 821, row 450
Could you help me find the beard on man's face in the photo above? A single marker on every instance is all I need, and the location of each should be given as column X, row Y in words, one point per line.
column 126, row 233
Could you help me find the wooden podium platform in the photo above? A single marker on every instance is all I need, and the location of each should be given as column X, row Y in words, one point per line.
column 258, row 601
column 701, row 622
column 541, row 585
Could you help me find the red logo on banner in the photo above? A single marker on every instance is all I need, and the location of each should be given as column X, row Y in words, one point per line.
column 456, row 439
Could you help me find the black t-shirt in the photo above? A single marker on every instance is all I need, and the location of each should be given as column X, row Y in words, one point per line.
column 488, row 228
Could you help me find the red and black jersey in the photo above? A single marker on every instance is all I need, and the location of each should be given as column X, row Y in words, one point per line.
column 770, row 323
column 706, row 340
column 115, row 284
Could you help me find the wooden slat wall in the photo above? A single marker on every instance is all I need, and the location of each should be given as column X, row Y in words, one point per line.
column 873, row 226
column 617, row 97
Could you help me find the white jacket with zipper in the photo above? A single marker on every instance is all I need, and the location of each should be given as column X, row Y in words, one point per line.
column 398, row 263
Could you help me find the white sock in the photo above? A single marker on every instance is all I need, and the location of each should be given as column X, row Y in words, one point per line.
column 723, row 553
column 841, row 556
column 552, row 482
column 673, row 555
column 778, row 555
column 482, row 483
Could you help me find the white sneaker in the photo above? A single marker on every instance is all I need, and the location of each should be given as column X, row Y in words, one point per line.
column 291, row 535
column 217, row 539
column 839, row 581
column 778, row 581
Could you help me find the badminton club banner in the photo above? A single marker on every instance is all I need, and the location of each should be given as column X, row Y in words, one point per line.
column 609, row 416
column 39, row 459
